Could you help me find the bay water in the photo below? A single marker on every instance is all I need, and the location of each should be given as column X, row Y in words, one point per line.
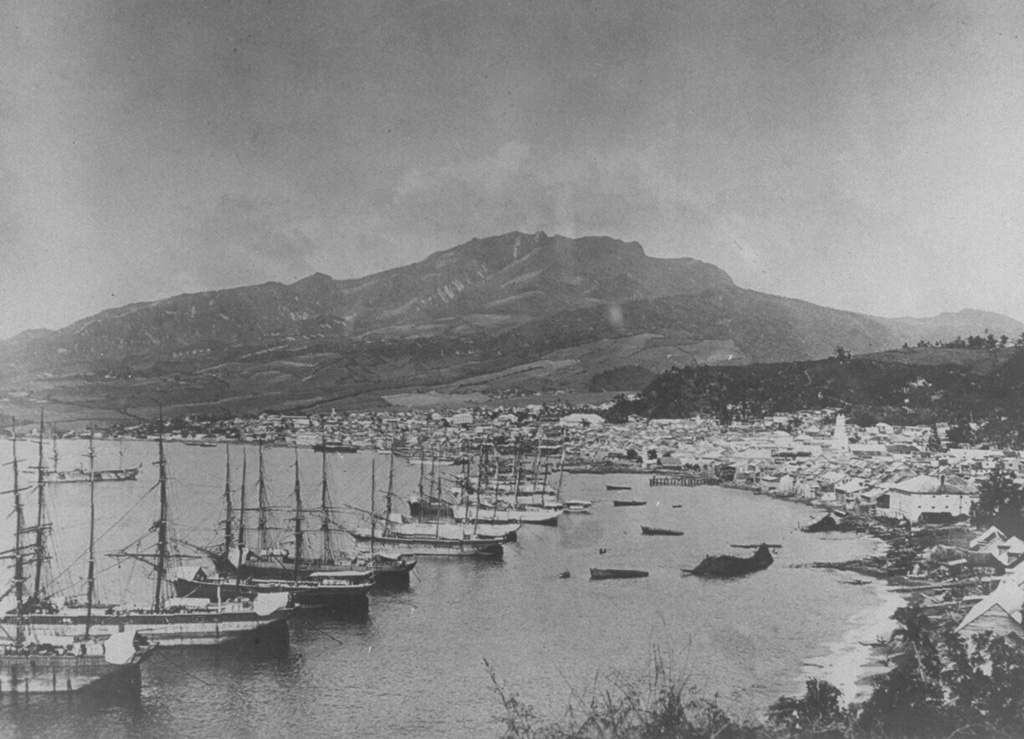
column 416, row 665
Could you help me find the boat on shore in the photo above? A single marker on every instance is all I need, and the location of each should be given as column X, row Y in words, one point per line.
column 615, row 574
column 655, row 531
column 825, row 523
column 728, row 565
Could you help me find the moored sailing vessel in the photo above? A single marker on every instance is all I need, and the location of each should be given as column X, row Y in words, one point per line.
column 386, row 536
column 30, row 665
column 169, row 621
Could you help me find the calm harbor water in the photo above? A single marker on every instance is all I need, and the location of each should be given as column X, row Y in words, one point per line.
column 415, row 666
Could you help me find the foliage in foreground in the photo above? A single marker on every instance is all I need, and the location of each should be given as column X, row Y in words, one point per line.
column 942, row 686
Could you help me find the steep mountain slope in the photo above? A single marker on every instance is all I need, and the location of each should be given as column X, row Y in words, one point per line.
column 573, row 307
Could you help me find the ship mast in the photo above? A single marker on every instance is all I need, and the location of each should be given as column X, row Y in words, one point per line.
column 91, row 578
column 40, row 546
column 391, row 491
column 228, row 511
column 373, row 511
column 241, row 520
column 19, row 529
column 298, row 516
column 161, row 524
column 326, row 550
column 261, row 494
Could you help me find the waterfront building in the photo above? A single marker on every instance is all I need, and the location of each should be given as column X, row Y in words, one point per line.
column 924, row 494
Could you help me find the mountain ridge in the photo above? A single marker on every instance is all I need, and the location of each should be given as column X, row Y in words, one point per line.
column 476, row 309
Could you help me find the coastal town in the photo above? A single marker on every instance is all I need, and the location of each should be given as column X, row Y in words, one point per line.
column 906, row 485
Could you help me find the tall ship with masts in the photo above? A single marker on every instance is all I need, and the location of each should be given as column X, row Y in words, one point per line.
column 392, row 537
column 80, row 474
column 311, row 582
column 169, row 621
column 82, row 663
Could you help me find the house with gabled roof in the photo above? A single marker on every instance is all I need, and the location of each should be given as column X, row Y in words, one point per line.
column 998, row 612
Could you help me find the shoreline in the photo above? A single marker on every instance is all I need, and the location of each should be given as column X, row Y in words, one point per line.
column 852, row 662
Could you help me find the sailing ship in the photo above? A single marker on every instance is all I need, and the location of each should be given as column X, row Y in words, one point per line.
column 395, row 538
column 334, row 445
column 80, row 474
column 508, row 500
column 29, row 665
column 169, row 621
column 273, row 570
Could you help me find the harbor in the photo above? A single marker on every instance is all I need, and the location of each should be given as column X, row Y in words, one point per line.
column 745, row 640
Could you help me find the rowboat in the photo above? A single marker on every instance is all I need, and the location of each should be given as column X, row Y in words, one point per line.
column 620, row 503
column 654, row 531
column 618, row 574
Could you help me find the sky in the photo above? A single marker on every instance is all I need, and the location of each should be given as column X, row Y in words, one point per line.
column 867, row 156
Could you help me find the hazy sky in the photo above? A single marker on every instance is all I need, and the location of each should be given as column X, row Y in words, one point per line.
column 861, row 155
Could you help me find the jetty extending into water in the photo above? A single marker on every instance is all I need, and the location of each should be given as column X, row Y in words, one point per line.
column 687, row 481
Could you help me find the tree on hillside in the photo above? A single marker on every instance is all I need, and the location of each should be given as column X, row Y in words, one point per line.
column 961, row 434
column 1001, row 503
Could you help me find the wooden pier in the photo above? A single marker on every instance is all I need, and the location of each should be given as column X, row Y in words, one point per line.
column 686, row 481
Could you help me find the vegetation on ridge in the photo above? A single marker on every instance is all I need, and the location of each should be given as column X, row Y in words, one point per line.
column 903, row 387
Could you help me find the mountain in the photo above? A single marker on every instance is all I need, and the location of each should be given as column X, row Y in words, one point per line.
column 516, row 313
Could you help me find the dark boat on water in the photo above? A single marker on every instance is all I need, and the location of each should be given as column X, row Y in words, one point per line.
column 727, row 565
column 825, row 523
column 620, row 503
column 617, row 487
column 617, row 574
column 334, row 446
column 654, row 531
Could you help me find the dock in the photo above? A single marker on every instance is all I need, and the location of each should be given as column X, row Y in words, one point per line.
column 687, row 481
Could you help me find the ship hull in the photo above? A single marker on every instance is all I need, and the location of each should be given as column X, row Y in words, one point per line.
column 184, row 629
column 34, row 674
column 339, row 597
column 431, row 547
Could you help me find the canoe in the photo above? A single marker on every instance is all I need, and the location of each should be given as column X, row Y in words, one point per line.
column 619, row 503
column 617, row 487
column 654, row 531
column 602, row 574
column 727, row 565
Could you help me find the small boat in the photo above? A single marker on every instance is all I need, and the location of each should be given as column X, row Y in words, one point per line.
column 654, row 531
column 616, row 574
column 578, row 506
column 620, row 503
column 727, row 565
column 825, row 523
column 335, row 446
column 617, row 487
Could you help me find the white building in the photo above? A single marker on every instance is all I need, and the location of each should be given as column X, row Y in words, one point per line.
column 926, row 494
